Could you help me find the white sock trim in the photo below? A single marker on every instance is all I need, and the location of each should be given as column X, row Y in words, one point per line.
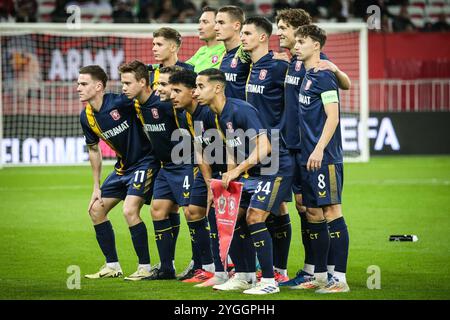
column 281, row 271
column 145, row 266
column 221, row 275
column 330, row 269
column 268, row 280
column 321, row 276
column 209, row 267
column 340, row 276
column 114, row 265
column 309, row 268
column 250, row 277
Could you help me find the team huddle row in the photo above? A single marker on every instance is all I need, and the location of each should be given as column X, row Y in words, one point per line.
column 235, row 111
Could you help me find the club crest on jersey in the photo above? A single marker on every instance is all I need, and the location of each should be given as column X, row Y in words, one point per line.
column 234, row 63
column 230, row 127
column 115, row 114
column 262, row 74
column 308, row 84
column 155, row 113
column 215, row 59
column 222, row 205
column 298, row 66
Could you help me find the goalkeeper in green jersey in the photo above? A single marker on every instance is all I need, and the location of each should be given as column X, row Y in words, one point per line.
column 209, row 55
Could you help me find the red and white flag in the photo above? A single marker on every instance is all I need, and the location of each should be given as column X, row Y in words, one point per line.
column 226, row 204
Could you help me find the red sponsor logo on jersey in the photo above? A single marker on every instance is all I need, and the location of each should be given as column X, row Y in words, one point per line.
column 308, row 84
column 115, row 114
column 230, row 127
column 234, row 63
column 215, row 59
column 262, row 74
column 298, row 66
column 155, row 113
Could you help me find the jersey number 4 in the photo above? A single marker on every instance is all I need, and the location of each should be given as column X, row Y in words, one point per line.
column 186, row 184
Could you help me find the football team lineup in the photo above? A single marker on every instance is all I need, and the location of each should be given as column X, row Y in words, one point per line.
column 252, row 256
column 228, row 184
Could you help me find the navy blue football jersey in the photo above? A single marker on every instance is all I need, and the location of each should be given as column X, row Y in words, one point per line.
column 116, row 124
column 294, row 77
column 236, row 72
column 154, row 71
column 318, row 89
column 240, row 123
column 265, row 90
column 160, row 120
column 206, row 134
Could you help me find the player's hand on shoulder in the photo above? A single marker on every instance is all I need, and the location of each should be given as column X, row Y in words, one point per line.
column 96, row 196
column 281, row 56
column 326, row 65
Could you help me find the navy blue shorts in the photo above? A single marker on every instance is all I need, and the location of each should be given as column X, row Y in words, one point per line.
column 199, row 191
column 297, row 179
column 174, row 183
column 136, row 182
column 265, row 192
column 324, row 186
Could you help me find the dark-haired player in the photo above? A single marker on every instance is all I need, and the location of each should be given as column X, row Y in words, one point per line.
column 166, row 44
column 288, row 21
column 322, row 164
column 235, row 63
column 265, row 91
column 172, row 185
column 209, row 55
column 265, row 184
column 112, row 118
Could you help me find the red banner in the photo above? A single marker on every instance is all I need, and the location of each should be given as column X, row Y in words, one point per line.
column 226, row 204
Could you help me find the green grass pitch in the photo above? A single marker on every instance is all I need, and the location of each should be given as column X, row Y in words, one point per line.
column 45, row 228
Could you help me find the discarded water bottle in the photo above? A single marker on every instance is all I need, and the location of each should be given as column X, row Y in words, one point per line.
column 405, row 237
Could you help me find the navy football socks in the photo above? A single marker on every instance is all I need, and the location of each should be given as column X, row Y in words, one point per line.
column 339, row 242
column 281, row 239
column 200, row 237
column 105, row 237
column 164, row 242
column 262, row 242
column 140, row 242
column 175, row 222
column 306, row 240
column 215, row 240
column 320, row 243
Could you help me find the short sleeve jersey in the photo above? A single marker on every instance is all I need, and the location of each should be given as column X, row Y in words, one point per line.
column 160, row 120
column 116, row 123
column 296, row 73
column 206, row 134
column 240, row 124
column 317, row 90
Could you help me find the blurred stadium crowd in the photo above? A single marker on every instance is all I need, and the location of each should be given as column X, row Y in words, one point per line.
column 396, row 15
